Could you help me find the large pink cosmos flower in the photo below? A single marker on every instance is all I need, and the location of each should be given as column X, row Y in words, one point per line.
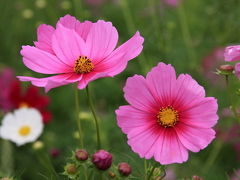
column 167, row 115
column 78, row 52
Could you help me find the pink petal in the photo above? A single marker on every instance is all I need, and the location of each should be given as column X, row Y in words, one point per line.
column 194, row 138
column 203, row 115
column 161, row 80
column 138, row 94
column 53, row 81
column 143, row 139
column 169, row 149
column 71, row 22
column 43, row 62
column 101, row 40
column 68, row 45
column 44, row 36
column 129, row 118
column 232, row 53
column 90, row 77
column 118, row 59
column 187, row 93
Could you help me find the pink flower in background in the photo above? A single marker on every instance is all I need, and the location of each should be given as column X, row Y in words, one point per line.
column 235, row 175
column 232, row 53
column 172, row 2
column 167, row 115
column 211, row 62
column 78, row 52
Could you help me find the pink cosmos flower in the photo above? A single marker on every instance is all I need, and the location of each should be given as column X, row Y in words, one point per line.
column 167, row 115
column 78, row 52
column 232, row 53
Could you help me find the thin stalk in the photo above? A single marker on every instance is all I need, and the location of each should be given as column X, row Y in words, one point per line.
column 229, row 92
column 95, row 117
column 78, row 120
column 145, row 169
column 212, row 156
column 7, row 158
column 187, row 36
column 78, row 9
column 131, row 29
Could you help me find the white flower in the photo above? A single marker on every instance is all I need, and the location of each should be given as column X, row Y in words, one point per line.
column 22, row 126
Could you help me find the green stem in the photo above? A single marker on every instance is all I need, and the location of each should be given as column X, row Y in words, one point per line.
column 7, row 158
column 78, row 8
column 95, row 117
column 145, row 169
column 131, row 29
column 212, row 156
column 232, row 106
column 187, row 36
column 78, row 120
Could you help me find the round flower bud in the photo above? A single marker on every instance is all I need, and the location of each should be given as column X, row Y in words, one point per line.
column 124, row 169
column 38, row 145
column 102, row 160
column 81, row 155
column 54, row 152
column 71, row 169
column 226, row 68
column 111, row 174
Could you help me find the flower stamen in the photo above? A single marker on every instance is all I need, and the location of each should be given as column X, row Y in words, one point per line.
column 24, row 131
column 83, row 65
column 167, row 116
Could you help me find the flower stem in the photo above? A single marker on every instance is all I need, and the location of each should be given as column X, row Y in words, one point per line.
column 78, row 120
column 229, row 92
column 95, row 117
column 145, row 169
column 131, row 29
column 7, row 160
column 187, row 36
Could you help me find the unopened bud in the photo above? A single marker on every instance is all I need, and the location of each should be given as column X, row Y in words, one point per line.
column 102, row 160
column 71, row 169
column 81, row 155
column 38, row 145
column 225, row 69
column 54, row 152
column 111, row 174
column 124, row 169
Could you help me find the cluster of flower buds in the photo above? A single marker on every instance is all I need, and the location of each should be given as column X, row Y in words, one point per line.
column 100, row 161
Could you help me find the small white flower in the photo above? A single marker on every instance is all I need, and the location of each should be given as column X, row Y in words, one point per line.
column 22, row 126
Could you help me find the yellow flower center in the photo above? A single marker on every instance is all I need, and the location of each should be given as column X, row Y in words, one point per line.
column 167, row 116
column 24, row 131
column 83, row 65
column 23, row 105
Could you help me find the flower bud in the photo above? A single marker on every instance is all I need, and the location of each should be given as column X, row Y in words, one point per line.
column 225, row 69
column 38, row 145
column 102, row 160
column 124, row 169
column 54, row 152
column 81, row 155
column 71, row 169
column 197, row 178
column 111, row 174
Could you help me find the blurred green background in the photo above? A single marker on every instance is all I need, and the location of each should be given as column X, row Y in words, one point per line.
column 185, row 36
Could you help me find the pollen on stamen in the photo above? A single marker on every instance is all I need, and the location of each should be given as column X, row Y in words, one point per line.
column 83, row 65
column 167, row 116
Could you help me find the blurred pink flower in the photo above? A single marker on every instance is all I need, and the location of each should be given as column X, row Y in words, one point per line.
column 170, row 174
column 232, row 53
column 211, row 62
column 78, row 52
column 167, row 116
column 235, row 175
column 173, row 3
